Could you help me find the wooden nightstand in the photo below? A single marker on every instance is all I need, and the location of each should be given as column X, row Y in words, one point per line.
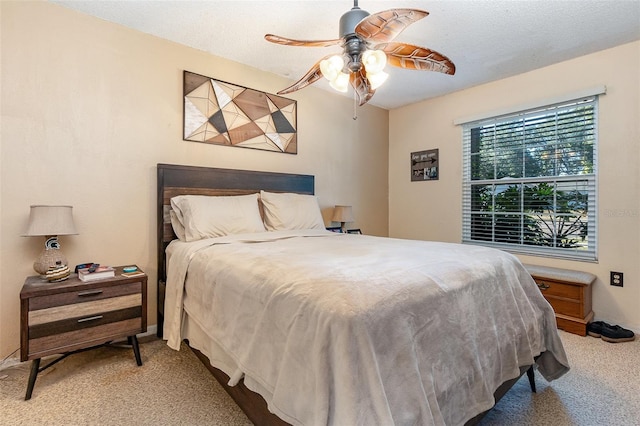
column 72, row 316
column 569, row 293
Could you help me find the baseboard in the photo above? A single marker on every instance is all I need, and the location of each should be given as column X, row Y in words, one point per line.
column 10, row 362
column 151, row 330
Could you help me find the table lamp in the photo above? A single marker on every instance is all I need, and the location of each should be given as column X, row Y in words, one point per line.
column 50, row 221
column 343, row 214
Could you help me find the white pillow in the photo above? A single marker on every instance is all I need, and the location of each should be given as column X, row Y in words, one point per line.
column 178, row 227
column 208, row 216
column 285, row 211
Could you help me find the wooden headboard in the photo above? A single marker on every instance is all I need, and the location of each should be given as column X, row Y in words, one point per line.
column 176, row 180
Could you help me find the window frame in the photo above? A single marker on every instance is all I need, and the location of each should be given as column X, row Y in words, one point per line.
column 590, row 179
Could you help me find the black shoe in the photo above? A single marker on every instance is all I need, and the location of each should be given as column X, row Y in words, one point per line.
column 615, row 334
column 595, row 328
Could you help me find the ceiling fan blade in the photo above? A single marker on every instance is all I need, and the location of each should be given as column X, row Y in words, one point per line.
column 310, row 77
column 361, row 86
column 416, row 58
column 306, row 43
column 384, row 26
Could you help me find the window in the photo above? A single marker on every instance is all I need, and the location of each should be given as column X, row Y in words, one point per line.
column 529, row 181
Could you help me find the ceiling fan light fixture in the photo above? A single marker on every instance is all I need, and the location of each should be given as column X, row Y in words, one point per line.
column 367, row 47
column 376, row 79
column 331, row 67
column 340, row 82
column 374, row 61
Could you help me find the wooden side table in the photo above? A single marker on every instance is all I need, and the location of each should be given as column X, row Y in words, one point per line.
column 569, row 293
column 72, row 316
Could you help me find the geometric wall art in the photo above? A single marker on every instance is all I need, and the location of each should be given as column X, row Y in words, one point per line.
column 222, row 113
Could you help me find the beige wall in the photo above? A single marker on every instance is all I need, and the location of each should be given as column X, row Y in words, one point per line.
column 89, row 108
column 432, row 210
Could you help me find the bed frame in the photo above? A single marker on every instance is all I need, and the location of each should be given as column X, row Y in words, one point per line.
column 176, row 180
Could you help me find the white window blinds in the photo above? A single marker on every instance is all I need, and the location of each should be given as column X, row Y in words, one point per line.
column 529, row 181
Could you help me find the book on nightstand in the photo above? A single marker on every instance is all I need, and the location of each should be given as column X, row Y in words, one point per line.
column 100, row 273
column 136, row 273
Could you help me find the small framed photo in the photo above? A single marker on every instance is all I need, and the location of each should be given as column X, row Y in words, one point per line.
column 335, row 229
column 354, row 231
column 425, row 165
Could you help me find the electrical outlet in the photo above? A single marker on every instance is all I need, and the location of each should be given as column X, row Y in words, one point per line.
column 617, row 278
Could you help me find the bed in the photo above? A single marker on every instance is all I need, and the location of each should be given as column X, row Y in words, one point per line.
column 306, row 326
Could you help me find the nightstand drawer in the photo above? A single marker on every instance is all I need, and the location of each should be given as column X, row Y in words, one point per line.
column 87, row 321
column 83, row 295
column 82, row 338
column 572, row 308
column 86, row 309
column 554, row 288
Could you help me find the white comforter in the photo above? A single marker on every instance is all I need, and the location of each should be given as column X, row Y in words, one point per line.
column 358, row 330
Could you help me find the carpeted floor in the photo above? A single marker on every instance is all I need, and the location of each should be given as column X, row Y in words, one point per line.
column 105, row 387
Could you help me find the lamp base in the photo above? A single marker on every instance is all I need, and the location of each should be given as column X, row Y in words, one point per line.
column 49, row 257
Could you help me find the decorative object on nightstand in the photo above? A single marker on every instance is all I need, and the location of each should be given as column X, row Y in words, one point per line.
column 57, row 273
column 343, row 214
column 71, row 316
column 96, row 272
column 50, row 222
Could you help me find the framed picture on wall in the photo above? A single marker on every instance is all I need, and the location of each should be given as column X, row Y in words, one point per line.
column 425, row 165
column 221, row 113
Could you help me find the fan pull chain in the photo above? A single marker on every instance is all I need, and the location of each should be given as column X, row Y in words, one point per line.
column 355, row 107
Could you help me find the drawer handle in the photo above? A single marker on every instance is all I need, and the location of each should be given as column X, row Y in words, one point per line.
column 89, row 293
column 97, row 317
column 542, row 285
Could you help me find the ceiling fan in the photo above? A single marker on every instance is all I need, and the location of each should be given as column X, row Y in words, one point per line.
column 368, row 47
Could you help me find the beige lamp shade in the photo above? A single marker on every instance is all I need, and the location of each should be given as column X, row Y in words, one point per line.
column 343, row 214
column 51, row 221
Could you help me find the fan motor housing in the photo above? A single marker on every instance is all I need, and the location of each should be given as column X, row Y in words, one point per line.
column 353, row 48
column 349, row 20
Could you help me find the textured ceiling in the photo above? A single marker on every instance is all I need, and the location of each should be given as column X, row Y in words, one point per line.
column 487, row 40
